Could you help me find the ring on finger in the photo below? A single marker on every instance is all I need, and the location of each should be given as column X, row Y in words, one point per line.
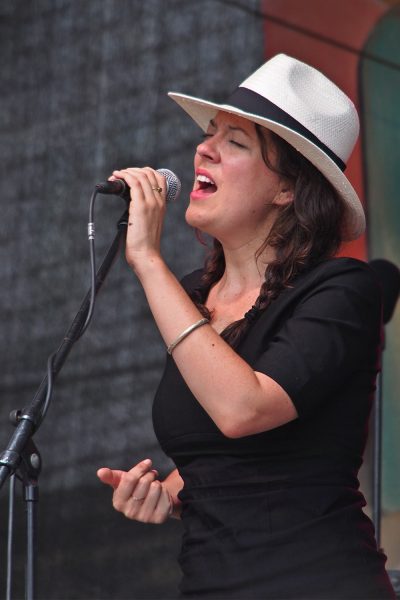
column 157, row 189
column 136, row 499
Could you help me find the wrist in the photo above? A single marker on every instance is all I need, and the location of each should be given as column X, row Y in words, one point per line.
column 145, row 263
column 175, row 503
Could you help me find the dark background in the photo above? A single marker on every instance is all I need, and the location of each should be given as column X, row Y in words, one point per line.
column 83, row 91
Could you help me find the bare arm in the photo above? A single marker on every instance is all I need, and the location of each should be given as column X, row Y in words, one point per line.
column 239, row 400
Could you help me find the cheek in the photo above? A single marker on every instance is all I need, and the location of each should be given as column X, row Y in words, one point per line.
column 260, row 195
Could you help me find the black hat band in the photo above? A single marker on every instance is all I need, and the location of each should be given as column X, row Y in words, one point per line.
column 254, row 103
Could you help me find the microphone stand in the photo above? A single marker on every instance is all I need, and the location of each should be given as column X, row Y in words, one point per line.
column 21, row 455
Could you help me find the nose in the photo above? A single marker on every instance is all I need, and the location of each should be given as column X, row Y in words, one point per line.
column 209, row 148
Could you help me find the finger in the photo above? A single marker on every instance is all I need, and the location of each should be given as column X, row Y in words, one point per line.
column 129, row 481
column 111, row 477
column 162, row 182
column 158, row 183
column 143, row 183
column 142, row 488
column 145, row 512
column 155, row 178
column 145, row 176
column 150, row 186
column 130, row 177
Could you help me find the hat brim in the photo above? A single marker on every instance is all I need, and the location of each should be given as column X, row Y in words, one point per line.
column 202, row 111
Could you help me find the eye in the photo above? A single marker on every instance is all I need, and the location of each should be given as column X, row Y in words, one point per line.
column 206, row 135
column 235, row 143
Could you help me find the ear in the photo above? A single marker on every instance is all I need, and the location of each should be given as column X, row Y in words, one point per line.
column 283, row 197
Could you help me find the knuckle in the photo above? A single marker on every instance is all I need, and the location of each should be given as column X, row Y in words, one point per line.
column 160, row 517
column 131, row 513
column 146, row 519
column 157, row 520
column 117, row 505
column 129, row 478
column 148, row 478
column 155, row 486
column 163, row 517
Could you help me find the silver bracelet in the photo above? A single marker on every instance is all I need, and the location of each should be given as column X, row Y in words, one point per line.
column 185, row 333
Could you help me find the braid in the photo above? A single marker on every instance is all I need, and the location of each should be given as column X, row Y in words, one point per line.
column 306, row 231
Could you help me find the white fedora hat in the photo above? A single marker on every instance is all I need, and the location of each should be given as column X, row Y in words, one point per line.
column 307, row 110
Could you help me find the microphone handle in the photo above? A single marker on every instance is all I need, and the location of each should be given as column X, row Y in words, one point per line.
column 117, row 187
column 120, row 188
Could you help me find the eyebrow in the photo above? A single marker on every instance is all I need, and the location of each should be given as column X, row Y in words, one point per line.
column 230, row 127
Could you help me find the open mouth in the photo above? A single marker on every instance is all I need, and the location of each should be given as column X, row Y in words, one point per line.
column 204, row 183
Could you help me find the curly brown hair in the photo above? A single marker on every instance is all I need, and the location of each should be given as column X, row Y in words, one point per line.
column 306, row 231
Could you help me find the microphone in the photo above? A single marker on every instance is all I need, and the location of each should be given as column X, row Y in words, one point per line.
column 389, row 278
column 120, row 188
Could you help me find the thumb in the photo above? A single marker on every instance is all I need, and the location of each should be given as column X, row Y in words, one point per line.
column 111, row 477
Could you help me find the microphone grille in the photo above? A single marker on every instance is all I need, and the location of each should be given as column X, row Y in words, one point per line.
column 173, row 184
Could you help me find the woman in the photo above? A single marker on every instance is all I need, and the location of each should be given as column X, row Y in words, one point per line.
column 272, row 350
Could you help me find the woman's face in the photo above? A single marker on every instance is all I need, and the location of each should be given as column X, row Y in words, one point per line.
column 235, row 196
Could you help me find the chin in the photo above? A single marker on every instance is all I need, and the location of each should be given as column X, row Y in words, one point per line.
column 195, row 219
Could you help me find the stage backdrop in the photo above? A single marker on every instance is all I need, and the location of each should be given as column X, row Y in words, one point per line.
column 83, row 91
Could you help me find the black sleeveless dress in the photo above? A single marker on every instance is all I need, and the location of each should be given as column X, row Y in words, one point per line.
column 278, row 515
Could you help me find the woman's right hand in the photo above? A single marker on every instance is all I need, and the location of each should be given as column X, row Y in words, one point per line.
column 148, row 191
column 138, row 494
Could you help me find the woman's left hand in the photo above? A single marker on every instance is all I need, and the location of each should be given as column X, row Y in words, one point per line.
column 138, row 493
column 146, row 213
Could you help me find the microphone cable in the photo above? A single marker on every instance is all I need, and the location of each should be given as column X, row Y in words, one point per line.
column 90, row 311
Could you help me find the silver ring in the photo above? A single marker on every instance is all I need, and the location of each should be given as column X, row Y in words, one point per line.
column 136, row 499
